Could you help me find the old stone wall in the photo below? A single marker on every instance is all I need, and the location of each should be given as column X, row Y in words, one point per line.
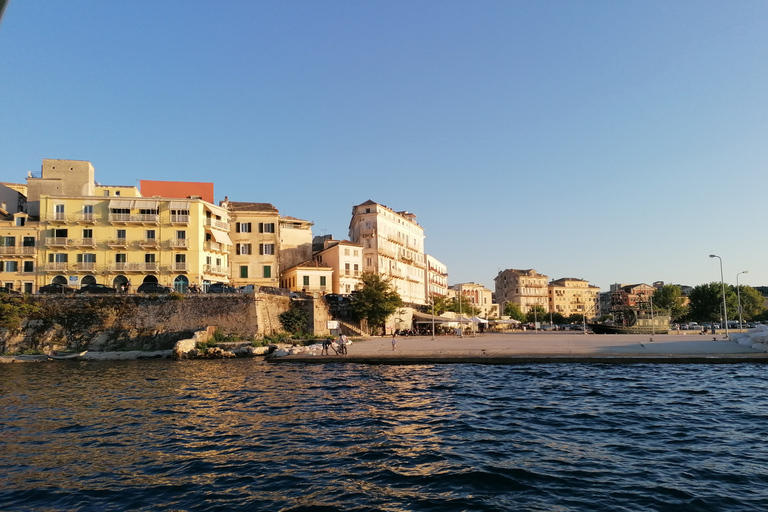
column 135, row 322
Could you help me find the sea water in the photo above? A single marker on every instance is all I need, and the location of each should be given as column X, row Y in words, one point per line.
column 246, row 435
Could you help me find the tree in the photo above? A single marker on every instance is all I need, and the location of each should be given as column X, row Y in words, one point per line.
column 375, row 300
column 707, row 301
column 752, row 303
column 558, row 318
column 513, row 311
column 294, row 320
column 575, row 318
column 537, row 314
column 670, row 298
column 461, row 304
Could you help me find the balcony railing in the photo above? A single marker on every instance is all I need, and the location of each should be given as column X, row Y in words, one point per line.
column 55, row 266
column 179, row 219
column 57, row 240
column 118, row 242
column 179, row 266
column 215, row 269
column 149, row 242
column 215, row 246
column 20, row 250
column 85, row 217
column 85, row 266
column 134, row 267
column 140, row 218
column 179, row 243
column 85, row 242
column 218, row 224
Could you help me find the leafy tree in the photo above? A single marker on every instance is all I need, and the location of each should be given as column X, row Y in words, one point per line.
column 752, row 303
column 513, row 311
column 461, row 304
column 13, row 310
column 670, row 298
column 295, row 320
column 441, row 305
column 537, row 314
column 575, row 319
column 558, row 318
column 707, row 300
column 375, row 300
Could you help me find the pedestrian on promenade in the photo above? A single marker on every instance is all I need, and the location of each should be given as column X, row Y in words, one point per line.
column 394, row 341
column 326, row 346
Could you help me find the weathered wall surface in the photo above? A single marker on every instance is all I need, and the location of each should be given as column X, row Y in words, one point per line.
column 135, row 322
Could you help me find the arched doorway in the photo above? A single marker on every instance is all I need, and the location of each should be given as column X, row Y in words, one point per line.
column 60, row 280
column 180, row 284
column 118, row 282
column 150, row 279
column 87, row 280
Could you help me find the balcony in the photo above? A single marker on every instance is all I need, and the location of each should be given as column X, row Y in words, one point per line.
column 179, row 219
column 179, row 243
column 55, row 266
column 214, row 246
column 149, row 242
column 85, row 266
column 218, row 224
column 118, row 242
column 126, row 218
column 57, row 241
column 57, row 217
column 179, row 266
column 134, row 267
column 84, row 242
column 15, row 250
column 86, row 218
column 215, row 269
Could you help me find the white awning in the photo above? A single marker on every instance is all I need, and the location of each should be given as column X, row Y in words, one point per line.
column 221, row 237
column 178, row 205
column 145, row 204
column 119, row 204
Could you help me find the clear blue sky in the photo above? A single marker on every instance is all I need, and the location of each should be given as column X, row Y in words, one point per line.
column 610, row 141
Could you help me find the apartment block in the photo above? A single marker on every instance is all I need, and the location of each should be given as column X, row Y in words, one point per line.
column 437, row 278
column 526, row 288
column 18, row 251
column 479, row 296
column 569, row 296
column 345, row 259
column 393, row 246
column 254, row 231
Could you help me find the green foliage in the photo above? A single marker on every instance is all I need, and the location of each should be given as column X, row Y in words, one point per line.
column 752, row 303
column 575, row 319
column 294, row 320
column 706, row 302
column 461, row 304
column 670, row 299
column 513, row 311
column 13, row 310
column 278, row 337
column 375, row 300
column 537, row 314
column 441, row 306
column 558, row 318
column 175, row 296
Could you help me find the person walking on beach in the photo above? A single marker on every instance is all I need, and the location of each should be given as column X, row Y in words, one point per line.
column 394, row 341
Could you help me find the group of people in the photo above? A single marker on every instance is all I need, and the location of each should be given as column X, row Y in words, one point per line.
column 342, row 343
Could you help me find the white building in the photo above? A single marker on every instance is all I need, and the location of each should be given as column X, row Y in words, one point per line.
column 393, row 246
column 437, row 277
column 346, row 260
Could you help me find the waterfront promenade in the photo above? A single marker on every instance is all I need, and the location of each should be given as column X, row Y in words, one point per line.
column 541, row 347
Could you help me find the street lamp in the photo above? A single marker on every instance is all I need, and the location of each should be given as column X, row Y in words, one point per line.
column 722, row 282
column 738, row 295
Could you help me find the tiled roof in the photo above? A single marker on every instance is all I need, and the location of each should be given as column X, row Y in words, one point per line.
column 251, row 207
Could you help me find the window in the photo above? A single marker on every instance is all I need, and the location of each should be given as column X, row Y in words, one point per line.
column 243, row 271
column 267, row 271
column 29, row 267
column 8, row 241
column 266, row 227
column 149, row 258
column 181, row 258
column 346, row 252
column 106, row 192
column 357, row 269
column 58, row 258
column 121, row 234
column 87, row 233
column 181, row 235
column 21, row 221
column 267, row 249
column 86, row 258
column 120, row 258
column 346, row 269
column 150, row 234
column 322, row 280
column 11, row 266
column 305, row 280
column 29, row 241
column 243, row 249
column 243, row 227
column 355, row 253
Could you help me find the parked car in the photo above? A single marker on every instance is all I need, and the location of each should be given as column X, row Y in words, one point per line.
column 221, row 288
column 9, row 291
column 96, row 288
column 248, row 288
column 153, row 288
column 56, row 288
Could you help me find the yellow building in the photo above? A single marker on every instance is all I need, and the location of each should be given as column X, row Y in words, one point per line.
column 308, row 277
column 569, row 296
column 18, row 251
column 526, row 288
column 345, row 259
column 254, row 233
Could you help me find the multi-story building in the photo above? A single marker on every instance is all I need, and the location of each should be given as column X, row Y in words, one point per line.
column 393, row 246
column 569, row 296
column 479, row 296
column 526, row 288
column 295, row 242
column 346, row 260
column 112, row 235
column 437, row 278
column 18, row 251
column 308, row 277
column 254, row 231
column 631, row 295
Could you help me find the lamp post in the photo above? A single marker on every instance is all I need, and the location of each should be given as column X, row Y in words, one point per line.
column 433, row 316
column 738, row 295
column 722, row 283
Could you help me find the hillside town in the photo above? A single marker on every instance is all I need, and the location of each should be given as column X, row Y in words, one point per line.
column 64, row 231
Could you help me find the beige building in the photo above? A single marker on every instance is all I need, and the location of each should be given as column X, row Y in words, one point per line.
column 393, row 246
column 526, row 288
column 295, row 242
column 255, row 243
column 308, row 277
column 437, row 278
column 569, row 296
column 18, row 251
column 346, row 260
column 479, row 296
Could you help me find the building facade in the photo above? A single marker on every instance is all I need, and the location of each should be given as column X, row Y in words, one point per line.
column 345, row 259
column 437, row 278
column 569, row 296
column 255, row 238
column 311, row 277
column 526, row 288
column 295, row 242
column 18, row 251
column 393, row 246
column 479, row 296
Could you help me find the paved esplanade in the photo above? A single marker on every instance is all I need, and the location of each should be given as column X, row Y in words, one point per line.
column 543, row 347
